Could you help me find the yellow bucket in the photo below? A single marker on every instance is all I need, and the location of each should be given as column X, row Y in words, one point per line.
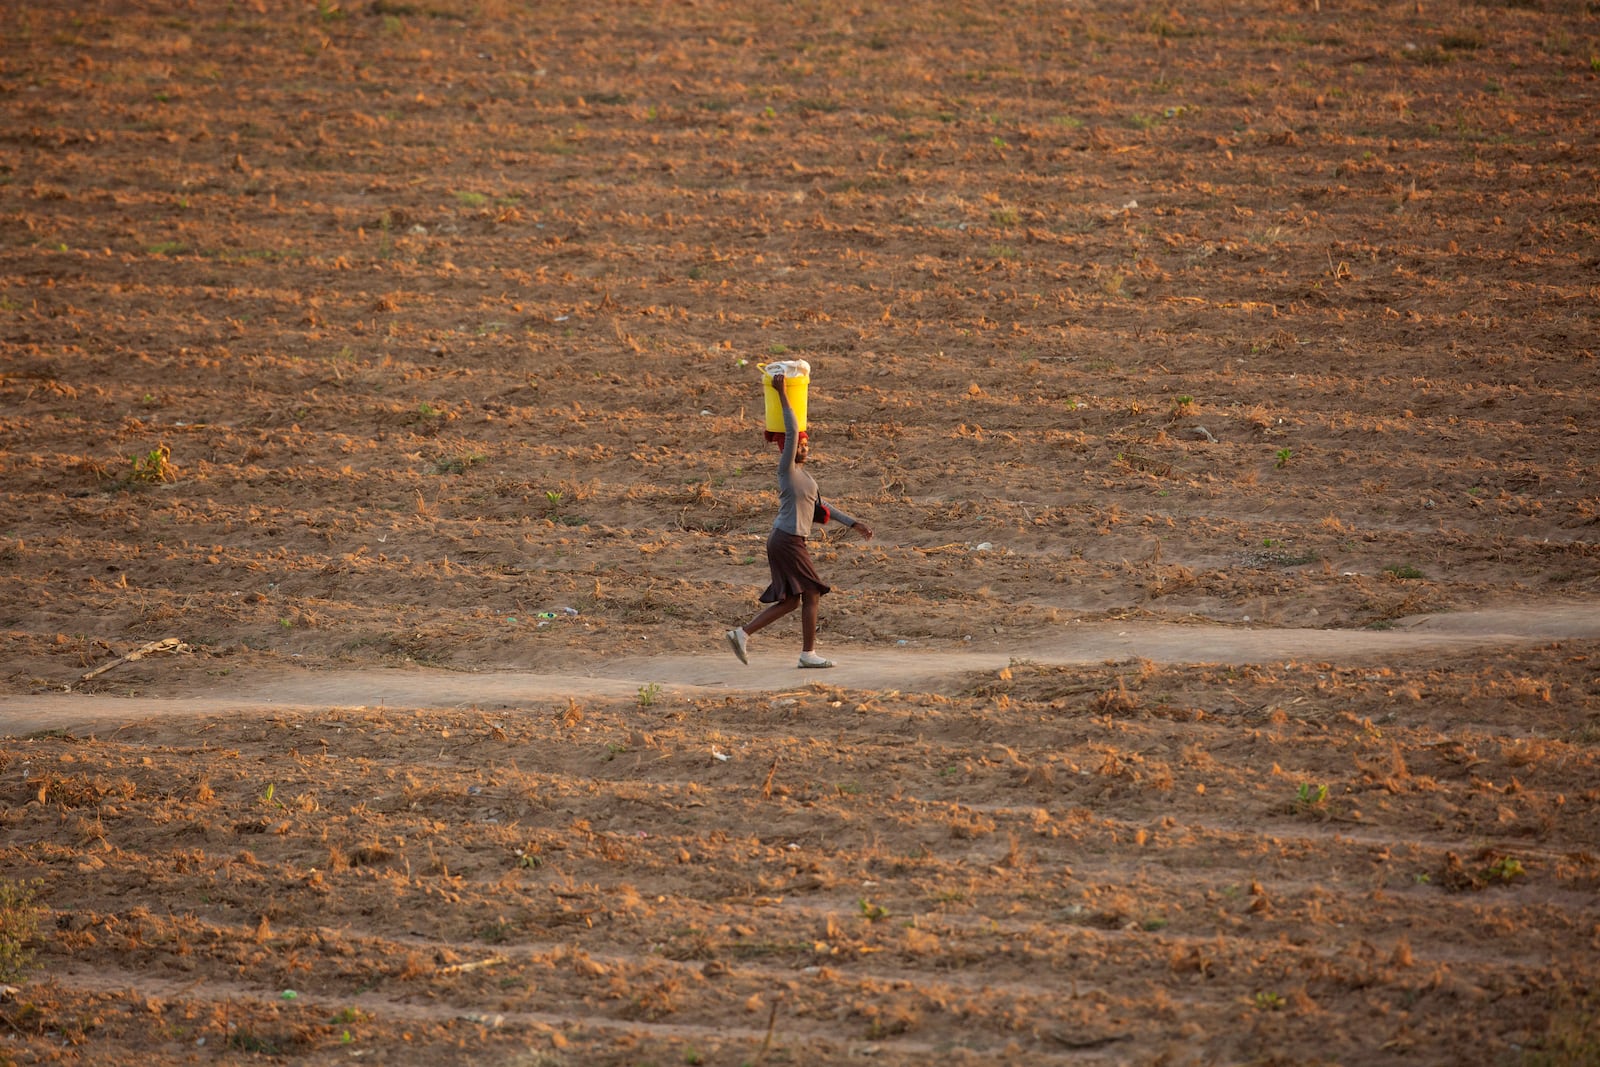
column 797, row 377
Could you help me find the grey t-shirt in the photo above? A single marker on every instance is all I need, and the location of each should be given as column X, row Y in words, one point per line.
column 797, row 490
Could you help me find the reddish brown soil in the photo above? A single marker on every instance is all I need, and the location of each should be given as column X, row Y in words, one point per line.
column 1221, row 686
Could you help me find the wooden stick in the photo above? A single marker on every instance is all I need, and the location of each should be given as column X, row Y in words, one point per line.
column 476, row 965
column 166, row 644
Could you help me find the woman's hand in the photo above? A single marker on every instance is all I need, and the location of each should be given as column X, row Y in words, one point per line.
column 777, row 383
column 863, row 529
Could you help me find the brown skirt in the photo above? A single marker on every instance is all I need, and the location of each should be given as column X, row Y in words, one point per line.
column 792, row 570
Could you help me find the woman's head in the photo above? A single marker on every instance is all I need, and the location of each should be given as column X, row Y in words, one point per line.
column 802, row 449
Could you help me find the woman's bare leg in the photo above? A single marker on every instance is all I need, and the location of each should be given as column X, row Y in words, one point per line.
column 809, row 603
column 773, row 612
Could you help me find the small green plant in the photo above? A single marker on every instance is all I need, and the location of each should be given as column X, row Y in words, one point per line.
column 470, row 199
column 776, row 349
column 1268, row 1001
column 1406, row 572
column 1504, row 869
column 872, row 912
column 1283, row 456
column 649, row 694
column 458, row 464
column 20, row 920
column 1183, row 406
column 153, row 467
column 552, row 497
column 1310, row 797
column 168, row 248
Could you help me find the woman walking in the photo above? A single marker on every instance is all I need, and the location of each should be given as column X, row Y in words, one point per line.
column 794, row 579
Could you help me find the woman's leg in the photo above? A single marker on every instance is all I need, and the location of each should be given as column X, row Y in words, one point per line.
column 773, row 612
column 810, row 601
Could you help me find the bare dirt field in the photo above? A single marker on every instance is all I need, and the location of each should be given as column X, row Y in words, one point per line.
column 1222, row 686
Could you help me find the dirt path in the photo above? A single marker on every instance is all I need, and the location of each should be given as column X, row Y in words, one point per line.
column 771, row 668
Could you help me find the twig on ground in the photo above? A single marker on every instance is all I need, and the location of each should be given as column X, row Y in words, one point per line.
column 475, row 965
column 166, row 644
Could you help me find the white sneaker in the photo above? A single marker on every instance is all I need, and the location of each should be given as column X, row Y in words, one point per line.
column 811, row 659
column 736, row 641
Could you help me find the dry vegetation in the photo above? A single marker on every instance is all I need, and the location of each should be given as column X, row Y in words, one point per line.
column 369, row 335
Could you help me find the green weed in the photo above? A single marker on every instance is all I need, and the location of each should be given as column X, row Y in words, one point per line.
column 459, row 464
column 20, row 921
column 872, row 912
column 1309, row 798
column 152, row 468
column 1504, row 869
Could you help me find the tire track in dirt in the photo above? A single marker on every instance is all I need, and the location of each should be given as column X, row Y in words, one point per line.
column 859, row 668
